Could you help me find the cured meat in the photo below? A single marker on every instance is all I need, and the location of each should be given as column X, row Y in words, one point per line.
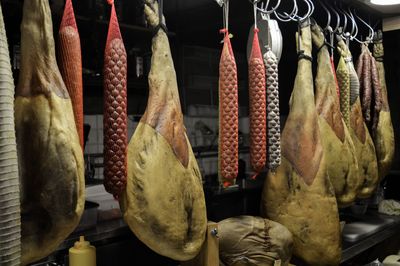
column 10, row 216
column 376, row 85
column 366, row 84
column 164, row 202
column 354, row 82
column 228, row 116
column 248, row 240
column 258, row 134
column 339, row 150
column 70, row 64
column 290, row 192
column 115, row 110
column 50, row 156
column 334, row 74
column 362, row 141
column 273, row 113
column 343, row 76
column 384, row 134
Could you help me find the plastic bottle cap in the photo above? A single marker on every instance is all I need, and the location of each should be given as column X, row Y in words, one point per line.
column 81, row 244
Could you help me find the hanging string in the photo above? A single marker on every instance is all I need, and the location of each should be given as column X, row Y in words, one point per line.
column 225, row 13
column 161, row 24
column 255, row 15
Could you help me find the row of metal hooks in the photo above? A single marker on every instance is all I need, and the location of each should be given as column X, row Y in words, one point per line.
column 344, row 17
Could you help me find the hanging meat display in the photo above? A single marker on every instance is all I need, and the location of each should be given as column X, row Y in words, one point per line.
column 257, row 104
column 273, row 113
column 228, row 115
column 10, row 216
column 290, row 193
column 383, row 134
column 362, row 140
column 164, row 203
column 339, row 150
column 70, row 64
column 50, row 156
column 115, row 109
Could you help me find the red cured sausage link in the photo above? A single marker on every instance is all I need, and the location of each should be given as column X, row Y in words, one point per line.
column 377, row 93
column 70, row 64
column 115, row 110
column 367, row 85
column 228, row 115
column 258, row 117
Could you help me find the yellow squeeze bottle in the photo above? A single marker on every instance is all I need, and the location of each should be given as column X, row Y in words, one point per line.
column 82, row 254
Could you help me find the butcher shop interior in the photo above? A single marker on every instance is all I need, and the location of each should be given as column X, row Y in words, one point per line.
column 199, row 132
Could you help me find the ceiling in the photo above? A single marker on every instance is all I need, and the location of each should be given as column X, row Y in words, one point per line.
column 183, row 5
column 386, row 10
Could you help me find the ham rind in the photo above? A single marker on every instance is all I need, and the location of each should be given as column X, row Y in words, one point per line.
column 164, row 203
column 50, row 156
column 291, row 191
column 384, row 134
column 364, row 146
column 249, row 240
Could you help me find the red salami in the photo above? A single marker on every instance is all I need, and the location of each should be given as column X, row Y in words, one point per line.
column 228, row 115
column 115, row 109
column 70, row 64
column 257, row 96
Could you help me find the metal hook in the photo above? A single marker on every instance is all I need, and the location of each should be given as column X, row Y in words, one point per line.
column 225, row 12
column 354, row 30
column 310, row 10
column 264, row 9
column 370, row 29
column 328, row 23
column 293, row 13
column 255, row 2
column 336, row 29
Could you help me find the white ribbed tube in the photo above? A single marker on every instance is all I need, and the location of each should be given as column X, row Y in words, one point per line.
column 10, row 217
column 273, row 114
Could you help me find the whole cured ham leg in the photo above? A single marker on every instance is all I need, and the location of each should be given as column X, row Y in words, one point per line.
column 115, row 110
column 50, row 156
column 384, row 133
column 339, row 150
column 163, row 203
column 258, row 126
column 362, row 140
column 70, row 64
column 299, row 194
column 228, row 142
column 10, row 216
